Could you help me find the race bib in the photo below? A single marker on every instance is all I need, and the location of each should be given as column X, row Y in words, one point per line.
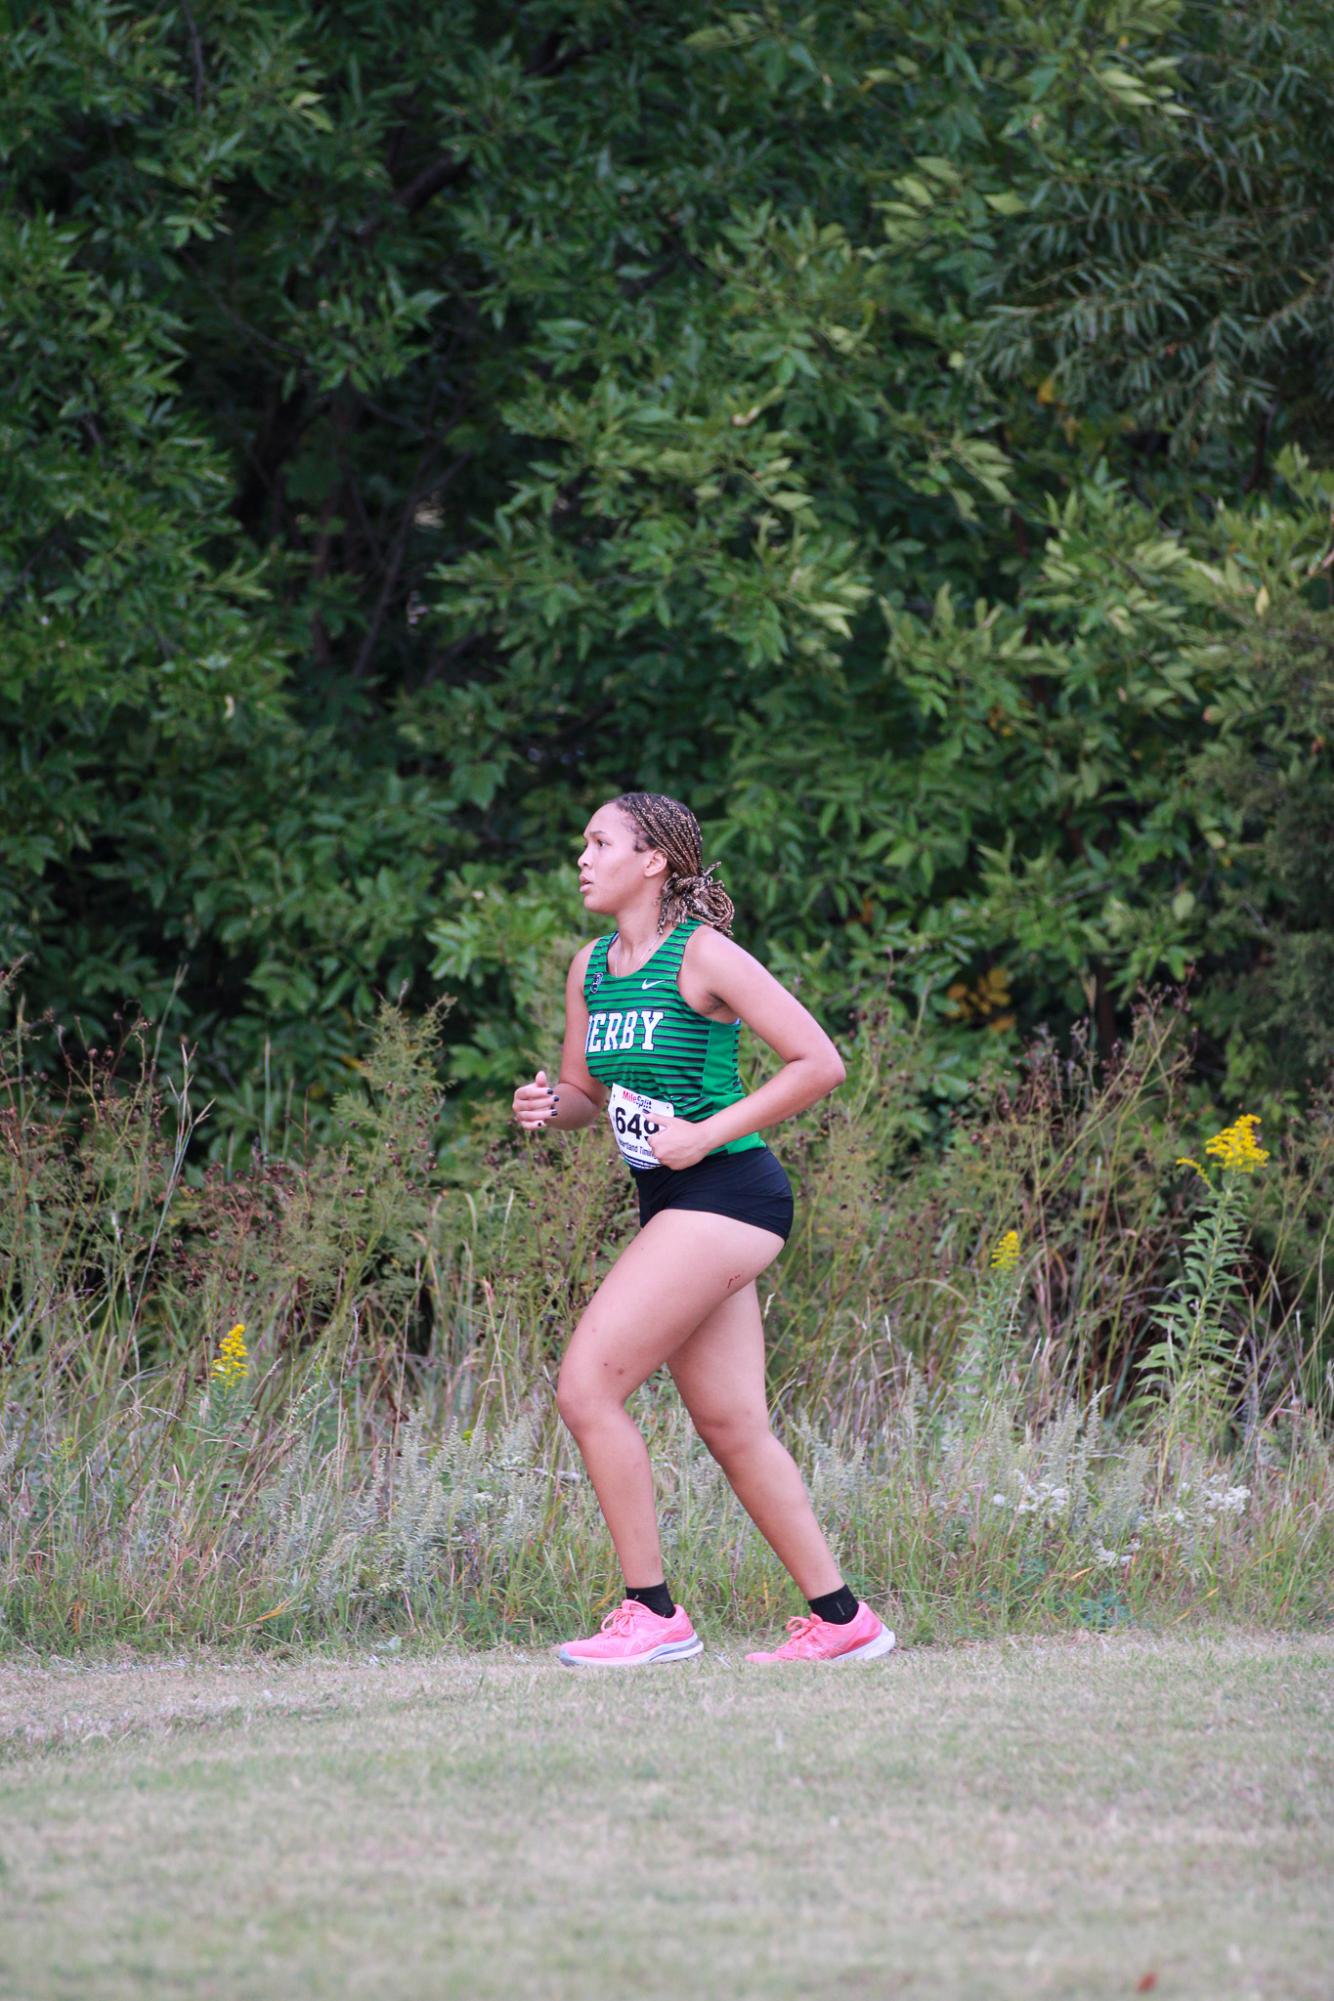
column 634, row 1120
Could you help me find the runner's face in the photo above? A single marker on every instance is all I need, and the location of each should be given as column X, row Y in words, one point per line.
column 612, row 872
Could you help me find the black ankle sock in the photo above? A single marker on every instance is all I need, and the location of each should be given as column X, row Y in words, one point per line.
column 838, row 1607
column 659, row 1599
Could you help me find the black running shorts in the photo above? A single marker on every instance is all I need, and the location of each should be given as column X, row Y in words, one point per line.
column 750, row 1186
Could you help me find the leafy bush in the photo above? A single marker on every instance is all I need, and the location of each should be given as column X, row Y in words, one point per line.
column 878, row 425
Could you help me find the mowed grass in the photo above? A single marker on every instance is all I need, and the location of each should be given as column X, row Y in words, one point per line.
column 1089, row 1817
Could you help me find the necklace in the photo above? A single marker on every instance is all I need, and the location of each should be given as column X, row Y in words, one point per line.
column 630, row 973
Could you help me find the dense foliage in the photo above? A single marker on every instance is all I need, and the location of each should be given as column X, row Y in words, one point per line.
column 898, row 429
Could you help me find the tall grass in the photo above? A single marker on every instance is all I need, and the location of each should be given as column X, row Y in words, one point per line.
column 996, row 1442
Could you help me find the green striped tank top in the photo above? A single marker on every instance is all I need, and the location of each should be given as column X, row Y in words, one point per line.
column 644, row 1035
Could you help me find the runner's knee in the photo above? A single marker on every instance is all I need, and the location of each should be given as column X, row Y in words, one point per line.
column 584, row 1395
column 729, row 1434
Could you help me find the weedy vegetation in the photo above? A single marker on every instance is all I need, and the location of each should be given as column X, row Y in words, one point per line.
column 1046, row 1371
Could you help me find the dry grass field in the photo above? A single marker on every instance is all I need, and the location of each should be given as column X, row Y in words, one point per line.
column 1089, row 1817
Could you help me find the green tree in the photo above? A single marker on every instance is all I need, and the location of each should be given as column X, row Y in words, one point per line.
column 874, row 424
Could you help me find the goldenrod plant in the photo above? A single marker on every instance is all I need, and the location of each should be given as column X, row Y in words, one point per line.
column 1188, row 1372
column 988, row 1342
column 232, row 1364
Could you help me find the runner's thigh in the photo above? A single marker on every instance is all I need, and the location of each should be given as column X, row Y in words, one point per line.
column 719, row 1369
column 683, row 1264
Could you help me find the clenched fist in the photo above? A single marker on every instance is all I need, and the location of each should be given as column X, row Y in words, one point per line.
column 535, row 1104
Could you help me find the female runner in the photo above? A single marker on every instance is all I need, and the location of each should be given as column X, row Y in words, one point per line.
column 651, row 1022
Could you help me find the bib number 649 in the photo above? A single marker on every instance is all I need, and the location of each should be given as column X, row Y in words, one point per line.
column 634, row 1121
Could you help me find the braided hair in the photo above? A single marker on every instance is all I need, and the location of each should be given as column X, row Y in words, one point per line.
column 671, row 828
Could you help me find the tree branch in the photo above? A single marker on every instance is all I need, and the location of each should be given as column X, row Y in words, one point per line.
column 197, row 51
column 442, row 173
column 416, row 492
column 1255, row 477
column 549, row 59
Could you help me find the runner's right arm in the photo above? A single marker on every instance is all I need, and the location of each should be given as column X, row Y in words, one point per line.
column 578, row 1099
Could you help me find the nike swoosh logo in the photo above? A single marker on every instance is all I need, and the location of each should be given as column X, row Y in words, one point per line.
column 653, row 983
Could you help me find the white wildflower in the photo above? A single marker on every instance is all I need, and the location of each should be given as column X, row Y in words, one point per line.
column 1046, row 1498
column 1222, row 1500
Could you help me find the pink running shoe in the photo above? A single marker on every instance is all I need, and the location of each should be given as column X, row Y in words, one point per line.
column 632, row 1636
column 817, row 1639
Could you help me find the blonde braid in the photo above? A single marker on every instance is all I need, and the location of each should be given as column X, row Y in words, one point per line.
column 665, row 824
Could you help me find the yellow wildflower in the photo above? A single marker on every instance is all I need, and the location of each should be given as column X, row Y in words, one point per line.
column 1237, row 1147
column 1006, row 1254
column 232, row 1364
column 1185, row 1160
